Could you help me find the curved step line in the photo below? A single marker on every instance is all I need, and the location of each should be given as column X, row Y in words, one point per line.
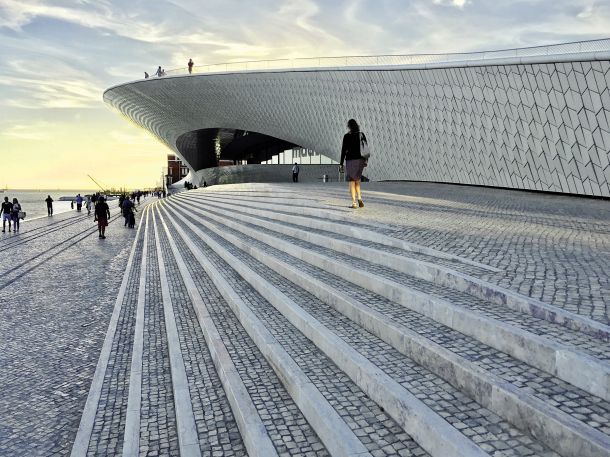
column 330, row 427
column 428, row 429
column 580, row 370
column 443, row 276
column 188, row 440
column 131, row 440
column 525, row 411
column 357, row 232
column 251, row 427
column 85, row 428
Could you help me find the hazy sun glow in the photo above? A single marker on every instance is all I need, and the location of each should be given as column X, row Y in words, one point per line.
column 59, row 56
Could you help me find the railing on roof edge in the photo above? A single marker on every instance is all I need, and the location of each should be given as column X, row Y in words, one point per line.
column 599, row 45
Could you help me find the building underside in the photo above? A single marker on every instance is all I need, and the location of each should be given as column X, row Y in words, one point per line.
column 537, row 123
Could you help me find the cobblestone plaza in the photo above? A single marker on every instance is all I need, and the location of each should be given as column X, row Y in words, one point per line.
column 270, row 319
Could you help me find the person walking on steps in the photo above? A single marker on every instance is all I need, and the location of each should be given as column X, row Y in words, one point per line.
column 191, row 63
column 295, row 172
column 354, row 152
column 16, row 210
column 49, row 201
column 102, row 214
column 6, row 210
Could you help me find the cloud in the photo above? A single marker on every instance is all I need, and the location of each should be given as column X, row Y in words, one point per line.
column 456, row 3
column 31, row 132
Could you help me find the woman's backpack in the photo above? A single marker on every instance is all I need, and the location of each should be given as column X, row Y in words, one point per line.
column 365, row 152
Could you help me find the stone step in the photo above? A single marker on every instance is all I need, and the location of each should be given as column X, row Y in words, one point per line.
column 427, row 269
column 331, row 221
column 343, row 417
column 491, row 389
column 152, row 420
column 100, row 431
column 548, row 353
column 385, row 374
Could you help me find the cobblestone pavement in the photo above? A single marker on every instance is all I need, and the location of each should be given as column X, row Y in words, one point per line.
column 64, row 281
column 479, row 424
column 554, row 248
column 551, row 247
column 52, row 327
column 287, row 428
column 216, row 426
column 564, row 396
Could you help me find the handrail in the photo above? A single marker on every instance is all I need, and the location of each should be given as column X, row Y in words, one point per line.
column 575, row 47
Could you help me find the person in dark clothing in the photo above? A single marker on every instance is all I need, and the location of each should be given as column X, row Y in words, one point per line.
column 16, row 210
column 6, row 211
column 102, row 214
column 49, row 201
column 127, row 208
column 354, row 162
column 295, row 172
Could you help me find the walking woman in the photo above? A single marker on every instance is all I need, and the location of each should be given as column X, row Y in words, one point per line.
column 16, row 210
column 351, row 153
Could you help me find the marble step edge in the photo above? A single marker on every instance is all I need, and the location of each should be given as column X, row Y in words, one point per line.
column 131, row 439
column 555, row 428
column 332, row 430
column 441, row 275
column 188, row 439
column 87, row 422
column 562, row 361
column 356, row 232
column 251, row 427
column 424, row 425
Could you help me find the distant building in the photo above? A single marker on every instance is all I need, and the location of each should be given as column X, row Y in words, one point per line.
column 176, row 170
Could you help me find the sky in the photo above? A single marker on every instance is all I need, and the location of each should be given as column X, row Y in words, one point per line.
column 57, row 58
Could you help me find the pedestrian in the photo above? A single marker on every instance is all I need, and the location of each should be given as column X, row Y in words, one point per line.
column 16, row 213
column 49, row 201
column 191, row 63
column 205, row 184
column 6, row 210
column 102, row 214
column 126, row 208
column 146, row 75
column 159, row 72
column 354, row 146
column 79, row 203
column 295, row 172
column 88, row 204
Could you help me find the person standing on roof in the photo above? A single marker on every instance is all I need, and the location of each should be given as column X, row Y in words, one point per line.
column 191, row 63
column 159, row 72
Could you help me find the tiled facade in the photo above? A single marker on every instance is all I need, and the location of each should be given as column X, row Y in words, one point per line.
column 536, row 126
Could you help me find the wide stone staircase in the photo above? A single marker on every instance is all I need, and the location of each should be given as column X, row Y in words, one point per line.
column 255, row 322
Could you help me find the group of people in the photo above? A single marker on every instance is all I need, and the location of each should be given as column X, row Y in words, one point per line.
column 11, row 212
column 161, row 71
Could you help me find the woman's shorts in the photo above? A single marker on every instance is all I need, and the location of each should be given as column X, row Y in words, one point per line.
column 353, row 169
